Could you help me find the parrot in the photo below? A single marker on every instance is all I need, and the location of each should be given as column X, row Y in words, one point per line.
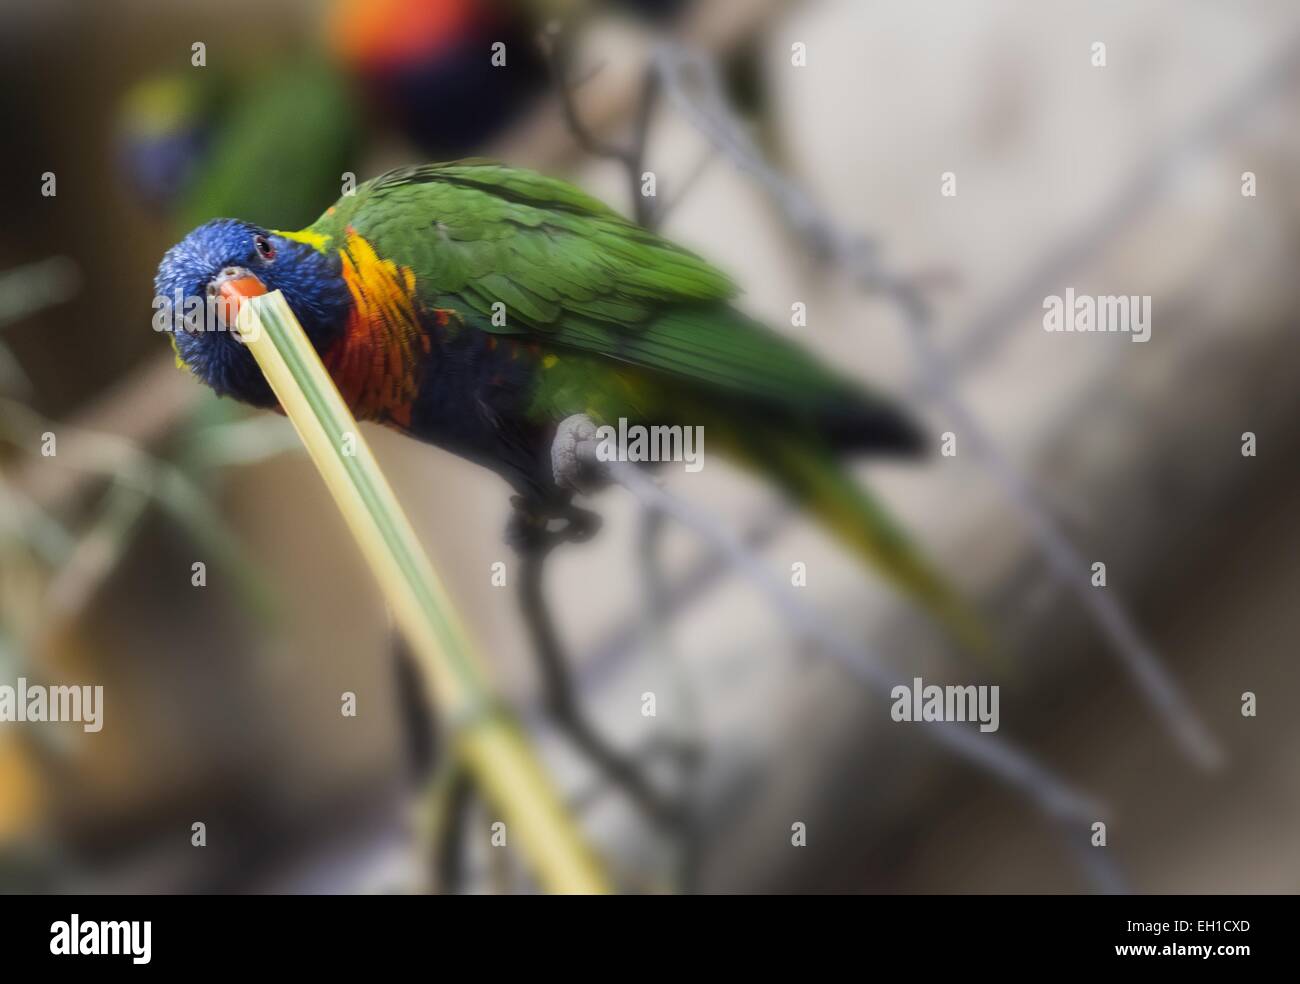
column 435, row 69
column 475, row 306
column 187, row 141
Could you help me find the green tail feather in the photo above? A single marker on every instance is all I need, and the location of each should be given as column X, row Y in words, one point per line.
column 812, row 475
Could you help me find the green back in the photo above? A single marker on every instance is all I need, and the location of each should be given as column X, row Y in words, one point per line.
column 573, row 275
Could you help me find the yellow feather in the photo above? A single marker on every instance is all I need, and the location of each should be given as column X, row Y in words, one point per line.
column 316, row 240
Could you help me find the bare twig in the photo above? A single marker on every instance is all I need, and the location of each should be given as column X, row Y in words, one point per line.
column 687, row 186
column 449, row 861
column 558, row 49
column 683, row 741
column 32, row 287
column 533, row 541
column 26, row 290
column 619, row 645
column 981, row 336
column 1072, row 810
column 132, row 469
column 691, row 83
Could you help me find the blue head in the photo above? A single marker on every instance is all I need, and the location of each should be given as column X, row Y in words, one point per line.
column 192, row 275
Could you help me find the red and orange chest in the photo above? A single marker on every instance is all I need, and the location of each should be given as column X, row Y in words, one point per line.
column 378, row 362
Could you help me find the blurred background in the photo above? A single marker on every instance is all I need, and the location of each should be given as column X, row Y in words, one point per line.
column 222, row 703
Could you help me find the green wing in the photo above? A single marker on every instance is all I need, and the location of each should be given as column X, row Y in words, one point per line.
column 574, row 274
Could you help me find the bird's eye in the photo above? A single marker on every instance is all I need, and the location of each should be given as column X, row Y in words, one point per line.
column 264, row 248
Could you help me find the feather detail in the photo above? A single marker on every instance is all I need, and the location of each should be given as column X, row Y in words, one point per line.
column 377, row 361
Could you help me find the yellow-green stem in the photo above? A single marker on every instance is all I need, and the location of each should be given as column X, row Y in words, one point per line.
column 491, row 744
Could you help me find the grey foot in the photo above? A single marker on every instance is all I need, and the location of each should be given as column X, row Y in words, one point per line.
column 572, row 454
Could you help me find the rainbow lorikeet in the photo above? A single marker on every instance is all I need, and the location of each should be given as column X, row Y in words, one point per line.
column 188, row 140
column 475, row 306
column 448, row 74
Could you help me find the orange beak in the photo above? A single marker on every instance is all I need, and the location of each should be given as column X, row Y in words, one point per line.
column 229, row 291
column 235, row 290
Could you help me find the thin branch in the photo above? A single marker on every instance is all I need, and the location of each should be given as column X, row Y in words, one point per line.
column 688, row 185
column 133, row 468
column 617, row 648
column 533, row 541
column 691, row 83
column 709, row 112
column 558, row 51
column 982, row 335
column 684, row 740
column 1071, row 809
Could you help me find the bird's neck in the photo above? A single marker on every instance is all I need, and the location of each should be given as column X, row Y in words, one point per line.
column 378, row 358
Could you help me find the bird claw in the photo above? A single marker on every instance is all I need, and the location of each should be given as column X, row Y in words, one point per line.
column 530, row 526
column 580, row 524
column 571, row 464
column 526, row 529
